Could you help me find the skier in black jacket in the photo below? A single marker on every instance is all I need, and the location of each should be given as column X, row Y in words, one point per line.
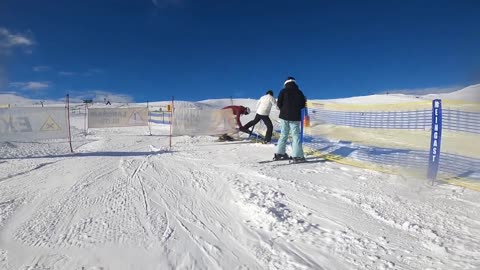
column 290, row 101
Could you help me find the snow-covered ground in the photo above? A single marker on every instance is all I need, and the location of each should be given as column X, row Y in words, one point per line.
column 125, row 200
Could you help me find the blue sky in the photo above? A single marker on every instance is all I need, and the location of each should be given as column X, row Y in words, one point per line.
column 195, row 50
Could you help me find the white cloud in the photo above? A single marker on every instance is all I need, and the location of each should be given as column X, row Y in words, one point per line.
column 89, row 72
column 422, row 91
column 33, row 86
column 9, row 93
column 66, row 73
column 41, row 68
column 93, row 71
column 100, row 96
column 10, row 40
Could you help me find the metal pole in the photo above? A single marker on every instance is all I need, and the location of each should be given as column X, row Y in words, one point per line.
column 301, row 125
column 68, row 123
column 85, row 120
column 149, row 120
column 171, row 122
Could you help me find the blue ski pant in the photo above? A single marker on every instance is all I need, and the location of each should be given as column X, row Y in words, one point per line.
column 294, row 128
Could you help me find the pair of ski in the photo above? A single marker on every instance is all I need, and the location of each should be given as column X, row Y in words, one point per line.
column 292, row 161
column 240, row 140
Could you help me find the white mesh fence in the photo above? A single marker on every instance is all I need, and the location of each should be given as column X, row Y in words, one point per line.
column 117, row 117
column 29, row 124
column 193, row 122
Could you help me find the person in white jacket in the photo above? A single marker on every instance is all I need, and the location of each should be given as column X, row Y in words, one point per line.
column 264, row 106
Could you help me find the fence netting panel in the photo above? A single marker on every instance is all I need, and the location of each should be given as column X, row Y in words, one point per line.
column 117, row 117
column 195, row 121
column 397, row 136
column 32, row 124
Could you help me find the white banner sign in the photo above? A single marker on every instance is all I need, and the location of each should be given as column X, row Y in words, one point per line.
column 196, row 122
column 30, row 124
column 117, row 117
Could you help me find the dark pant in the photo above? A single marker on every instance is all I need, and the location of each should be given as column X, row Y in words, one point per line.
column 266, row 120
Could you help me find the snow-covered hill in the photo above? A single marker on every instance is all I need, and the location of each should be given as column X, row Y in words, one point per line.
column 19, row 101
column 16, row 100
column 469, row 94
column 125, row 200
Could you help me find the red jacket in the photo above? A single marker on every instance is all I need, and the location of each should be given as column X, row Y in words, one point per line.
column 237, row 111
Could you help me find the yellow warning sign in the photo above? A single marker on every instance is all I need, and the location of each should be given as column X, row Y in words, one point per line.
column 136, row 119
column 50, row 125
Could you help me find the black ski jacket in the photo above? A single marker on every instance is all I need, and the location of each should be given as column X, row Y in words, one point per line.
column 290, row 102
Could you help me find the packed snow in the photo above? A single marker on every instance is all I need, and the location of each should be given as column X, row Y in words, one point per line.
column 126, row 200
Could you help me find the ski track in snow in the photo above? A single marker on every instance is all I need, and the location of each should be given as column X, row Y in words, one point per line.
column 133, row 204
column 433, row 229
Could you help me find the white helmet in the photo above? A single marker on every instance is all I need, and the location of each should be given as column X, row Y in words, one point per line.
column 247, row 110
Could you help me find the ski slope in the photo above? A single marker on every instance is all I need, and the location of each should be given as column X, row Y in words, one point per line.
column 125, row 200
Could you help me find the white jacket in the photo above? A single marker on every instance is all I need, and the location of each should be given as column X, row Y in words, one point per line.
column 264, row 104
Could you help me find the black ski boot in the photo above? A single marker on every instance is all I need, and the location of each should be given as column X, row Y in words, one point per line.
column 225, row 137
column 298, row 160
column 281, row 157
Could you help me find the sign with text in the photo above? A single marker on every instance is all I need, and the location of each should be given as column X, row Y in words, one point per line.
column 117, row 117
column 30, row 124
column 436, row 139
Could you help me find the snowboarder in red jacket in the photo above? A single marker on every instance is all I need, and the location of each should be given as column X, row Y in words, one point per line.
column 237, row 111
